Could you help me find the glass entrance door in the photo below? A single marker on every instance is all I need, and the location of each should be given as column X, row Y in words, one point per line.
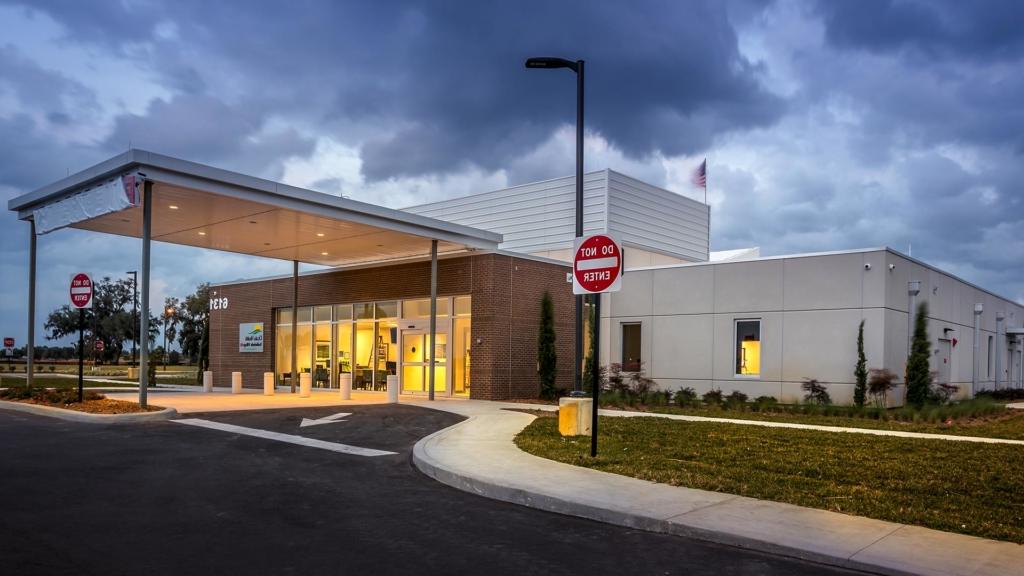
column 416, row 351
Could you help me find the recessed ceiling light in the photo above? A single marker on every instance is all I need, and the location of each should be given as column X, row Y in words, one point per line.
column 173, row 207
column 266, row 243
column 202, row 233
column 319, row 234
column 380, row 245
column 323, row 253
column 125, row 220
column 252, row 222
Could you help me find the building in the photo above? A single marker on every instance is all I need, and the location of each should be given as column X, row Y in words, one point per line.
column 690, row 317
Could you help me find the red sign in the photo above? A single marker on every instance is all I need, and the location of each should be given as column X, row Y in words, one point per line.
column 81, row 290
column 597, row 266
column 8, row 342
column 99, row 345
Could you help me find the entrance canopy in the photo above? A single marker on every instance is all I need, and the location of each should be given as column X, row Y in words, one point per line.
column 206, row 207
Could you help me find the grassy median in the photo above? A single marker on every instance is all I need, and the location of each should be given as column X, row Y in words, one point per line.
column 964, row 487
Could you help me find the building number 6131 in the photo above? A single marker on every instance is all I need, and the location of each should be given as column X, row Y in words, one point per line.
column 219, row 303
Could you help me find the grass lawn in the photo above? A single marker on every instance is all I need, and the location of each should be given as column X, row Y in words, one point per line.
column 970, row 488
column 1008, row 423
column 57, row 382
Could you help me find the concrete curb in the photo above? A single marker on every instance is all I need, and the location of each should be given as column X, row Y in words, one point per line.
column 75, row 416
column 731, row 520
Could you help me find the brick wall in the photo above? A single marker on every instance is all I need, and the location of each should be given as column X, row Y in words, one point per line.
column 506, row 293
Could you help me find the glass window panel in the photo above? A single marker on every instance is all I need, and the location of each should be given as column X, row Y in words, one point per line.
column 304, row 346
column 387, row 309
column 305, row 314
column 284, row 316
column 421, row 308
column 322, row 314
column 343, row 312
column 387, row 352
column 631, row 346
column 364, row 311
column 343, row 344
column 283, row 353
column 463, row 305
column 362, row 376
column 461, row 340
column 748, row 347
column 322, row 355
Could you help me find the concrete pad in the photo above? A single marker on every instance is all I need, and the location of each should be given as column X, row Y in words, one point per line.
column 924, row 551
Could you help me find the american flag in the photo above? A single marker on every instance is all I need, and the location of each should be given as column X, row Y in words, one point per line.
column 700, row 175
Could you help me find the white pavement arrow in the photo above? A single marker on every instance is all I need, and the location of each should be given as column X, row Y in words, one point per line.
column 325, row 420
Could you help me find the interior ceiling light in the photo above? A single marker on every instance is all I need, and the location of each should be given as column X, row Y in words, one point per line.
column 319, row 234
column 202, row 233
column 323, row 253
column 173, row 207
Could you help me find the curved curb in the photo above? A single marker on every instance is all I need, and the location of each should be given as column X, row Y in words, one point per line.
column 489, row 488
column 76, row 416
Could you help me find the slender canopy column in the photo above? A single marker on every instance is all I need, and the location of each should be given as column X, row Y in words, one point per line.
column 432, row 350
column 30, row 345
column 295, row 325
column 147, row 234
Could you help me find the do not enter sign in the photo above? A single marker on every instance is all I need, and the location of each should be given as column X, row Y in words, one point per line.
column 597, row 266
column 81, row 290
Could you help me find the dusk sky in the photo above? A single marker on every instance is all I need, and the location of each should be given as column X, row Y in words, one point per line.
column 826, row 125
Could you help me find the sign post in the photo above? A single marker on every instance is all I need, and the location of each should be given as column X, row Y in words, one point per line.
column 596, row 269
column 80, row 292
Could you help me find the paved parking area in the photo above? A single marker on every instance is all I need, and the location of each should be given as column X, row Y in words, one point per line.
column 166, row 498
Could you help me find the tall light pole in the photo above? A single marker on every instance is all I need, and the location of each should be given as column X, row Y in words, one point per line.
column 577, row 67
column 135, row 311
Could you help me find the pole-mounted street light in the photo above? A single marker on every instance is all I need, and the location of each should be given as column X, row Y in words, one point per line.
column 577, row 67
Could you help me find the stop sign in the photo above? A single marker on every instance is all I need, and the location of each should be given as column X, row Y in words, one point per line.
column 81, row 290
column 597, row 266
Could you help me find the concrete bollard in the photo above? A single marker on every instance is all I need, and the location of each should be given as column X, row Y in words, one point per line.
column 345, row 384
column 392, row 389
column 305, row 385
column 236, row 382
column 207, row 381
column 268, row 383
column 575, row 416
column 133, row 373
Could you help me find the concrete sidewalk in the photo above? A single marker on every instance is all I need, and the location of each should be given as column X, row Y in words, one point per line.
column 479, row 456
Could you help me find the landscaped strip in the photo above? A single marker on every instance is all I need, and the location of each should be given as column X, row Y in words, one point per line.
column 975, row 489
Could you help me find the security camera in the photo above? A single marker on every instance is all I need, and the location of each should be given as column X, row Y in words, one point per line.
column 892, row 267
column 867, row 266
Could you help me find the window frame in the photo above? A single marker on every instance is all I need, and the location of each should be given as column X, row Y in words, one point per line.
column 736, row 348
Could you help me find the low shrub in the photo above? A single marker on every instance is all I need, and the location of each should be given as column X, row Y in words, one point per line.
column 817, row 392
column 685, row 397
column 712, row 397
column 736, row 400
column 60, row 396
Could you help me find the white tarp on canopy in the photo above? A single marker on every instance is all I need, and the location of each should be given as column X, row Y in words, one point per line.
column 114, row 195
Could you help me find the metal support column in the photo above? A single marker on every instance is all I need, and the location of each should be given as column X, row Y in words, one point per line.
column 432, row 349
column 1000, row 349
column 578, row 366
column 295, row 321
column 30, row 345
column 976, row 371
column 147, row 233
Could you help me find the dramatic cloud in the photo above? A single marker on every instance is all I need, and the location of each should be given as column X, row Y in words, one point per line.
column 827, row 125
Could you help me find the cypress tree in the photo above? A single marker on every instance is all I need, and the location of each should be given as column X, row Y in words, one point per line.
column 861, row 371
column 547, row 357
column 919, row 377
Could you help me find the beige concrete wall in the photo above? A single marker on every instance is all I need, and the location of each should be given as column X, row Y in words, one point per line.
column 809, row 307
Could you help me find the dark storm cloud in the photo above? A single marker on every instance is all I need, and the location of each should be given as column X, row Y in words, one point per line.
column 989, row 29
column 445, row 80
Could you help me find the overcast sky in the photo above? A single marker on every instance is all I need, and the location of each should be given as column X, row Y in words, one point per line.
column 830, row 125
